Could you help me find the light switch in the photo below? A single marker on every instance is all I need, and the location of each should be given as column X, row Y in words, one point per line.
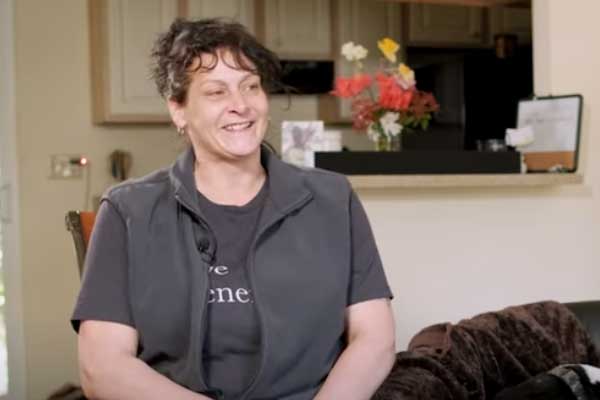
column 67, row 166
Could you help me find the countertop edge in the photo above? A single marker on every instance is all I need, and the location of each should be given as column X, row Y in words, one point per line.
column 461, row 181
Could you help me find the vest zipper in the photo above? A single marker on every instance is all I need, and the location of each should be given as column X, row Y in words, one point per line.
column 250, row 268
column 263, row 332
column 203, row 303
column 203, row 330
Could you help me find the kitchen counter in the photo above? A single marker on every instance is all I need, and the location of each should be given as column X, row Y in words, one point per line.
column 466, row 180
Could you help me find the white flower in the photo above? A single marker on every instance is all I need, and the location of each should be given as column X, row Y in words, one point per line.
column 389, row 124
column 354, row 52
column 360, row 52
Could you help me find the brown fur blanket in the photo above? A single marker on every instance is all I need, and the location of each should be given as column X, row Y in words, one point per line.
column 478, row 357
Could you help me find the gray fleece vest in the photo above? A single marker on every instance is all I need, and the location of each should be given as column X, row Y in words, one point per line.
column 300, row 282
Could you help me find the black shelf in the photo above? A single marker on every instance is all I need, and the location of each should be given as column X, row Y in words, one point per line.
column 419, row 162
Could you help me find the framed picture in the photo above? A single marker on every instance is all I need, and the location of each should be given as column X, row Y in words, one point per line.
column 300, row 140
column 556, row 124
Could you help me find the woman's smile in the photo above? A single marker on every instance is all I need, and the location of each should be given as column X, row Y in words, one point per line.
column 238, row 126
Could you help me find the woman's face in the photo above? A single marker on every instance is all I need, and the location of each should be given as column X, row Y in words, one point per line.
column 226, row 113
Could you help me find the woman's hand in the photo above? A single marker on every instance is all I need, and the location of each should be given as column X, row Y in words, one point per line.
column 109, row 368
column 369, row 356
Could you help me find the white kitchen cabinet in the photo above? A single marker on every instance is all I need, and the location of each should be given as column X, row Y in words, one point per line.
column 443, row 25
column 513, row 21
column 241, row 11
column 363, row 22
column 122, row 35
column 296, row 29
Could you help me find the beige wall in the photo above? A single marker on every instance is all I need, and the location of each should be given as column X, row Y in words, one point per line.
column 54, row 117
column 448, row 253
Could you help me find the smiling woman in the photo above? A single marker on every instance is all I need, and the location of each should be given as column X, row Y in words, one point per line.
column 230, row 274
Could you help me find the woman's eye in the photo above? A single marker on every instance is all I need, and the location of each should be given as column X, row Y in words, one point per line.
column 216, row 93
column 253, row 87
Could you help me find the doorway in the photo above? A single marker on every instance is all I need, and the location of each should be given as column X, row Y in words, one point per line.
column 12, row 355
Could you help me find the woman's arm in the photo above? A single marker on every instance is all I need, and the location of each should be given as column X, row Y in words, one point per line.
column 109, row 369
column 369, row 356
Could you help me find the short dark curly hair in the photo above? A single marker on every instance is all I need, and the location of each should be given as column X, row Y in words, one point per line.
column 175, row 53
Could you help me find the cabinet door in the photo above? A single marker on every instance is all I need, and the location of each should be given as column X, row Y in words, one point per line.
column 122, row 33
column 434, row 24
column 363, row 22
column 512, row 20
column 298, row 29
column 240, row 10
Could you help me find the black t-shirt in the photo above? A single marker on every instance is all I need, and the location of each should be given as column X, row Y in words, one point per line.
column 231, row 350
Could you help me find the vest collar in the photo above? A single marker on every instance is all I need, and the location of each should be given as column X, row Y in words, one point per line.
column 286, row 183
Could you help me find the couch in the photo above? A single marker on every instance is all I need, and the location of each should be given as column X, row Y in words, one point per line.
column 588, row 313
column 480, row 357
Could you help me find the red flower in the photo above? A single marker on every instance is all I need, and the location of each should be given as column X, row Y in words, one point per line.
column 423, row 103
column 391, row 94
column 363, row 113
column 350, row 87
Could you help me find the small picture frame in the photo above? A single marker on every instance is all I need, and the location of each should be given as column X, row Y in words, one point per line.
column 300, row 140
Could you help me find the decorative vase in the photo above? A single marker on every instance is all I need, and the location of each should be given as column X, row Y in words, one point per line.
column 388, row 143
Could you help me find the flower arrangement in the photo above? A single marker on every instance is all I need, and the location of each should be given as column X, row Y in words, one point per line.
column 386, row 103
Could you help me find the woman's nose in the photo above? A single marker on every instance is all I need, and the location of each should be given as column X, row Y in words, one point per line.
column 239, row 103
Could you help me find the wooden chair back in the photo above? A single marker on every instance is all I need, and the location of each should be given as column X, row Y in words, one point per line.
column 80, row 224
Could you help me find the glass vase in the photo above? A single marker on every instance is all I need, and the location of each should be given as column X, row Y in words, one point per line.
column 388, row 143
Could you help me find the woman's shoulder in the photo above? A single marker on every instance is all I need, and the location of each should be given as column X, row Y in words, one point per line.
column 137, row 189
column 318, row 181
column 324, row 177
column 326, row 183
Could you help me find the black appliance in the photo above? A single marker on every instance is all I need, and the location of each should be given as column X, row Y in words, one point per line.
column 307, row 77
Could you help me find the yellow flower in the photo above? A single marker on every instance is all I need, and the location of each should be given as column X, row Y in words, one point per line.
column 389, row 48
column 407, row 75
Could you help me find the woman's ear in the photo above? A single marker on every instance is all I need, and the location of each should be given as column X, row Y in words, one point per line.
column 177, row 111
